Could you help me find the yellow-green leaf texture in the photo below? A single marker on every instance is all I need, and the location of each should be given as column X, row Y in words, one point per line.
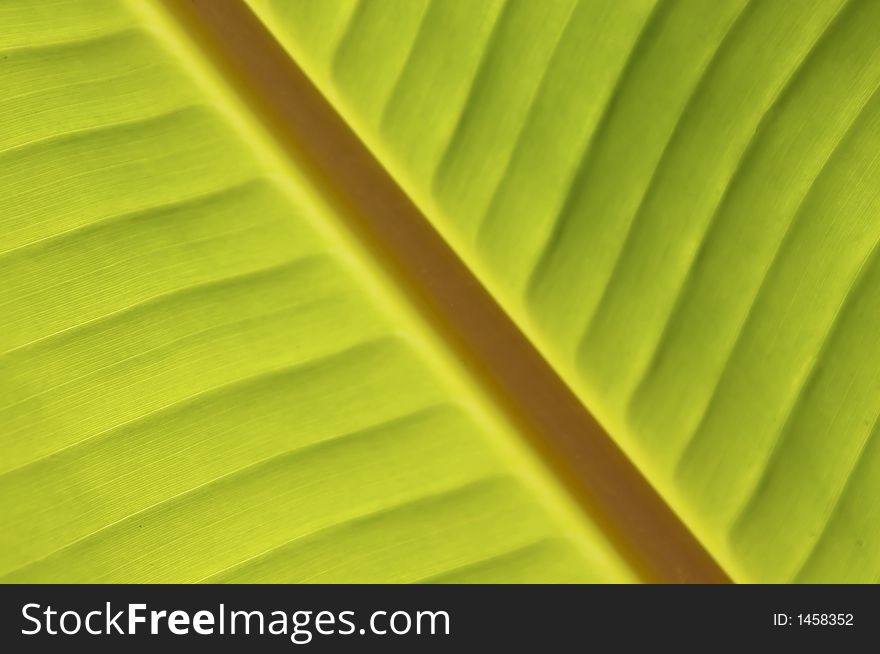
column 679, row 201
column 203, row 376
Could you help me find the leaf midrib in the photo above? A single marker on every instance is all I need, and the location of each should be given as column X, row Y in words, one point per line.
column 469, row 321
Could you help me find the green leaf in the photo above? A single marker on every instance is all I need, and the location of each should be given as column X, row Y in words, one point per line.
column 203, row 376
column 678, row 202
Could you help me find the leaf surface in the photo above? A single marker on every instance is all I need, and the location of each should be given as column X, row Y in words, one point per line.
column 202, row 376
column 678, row 202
